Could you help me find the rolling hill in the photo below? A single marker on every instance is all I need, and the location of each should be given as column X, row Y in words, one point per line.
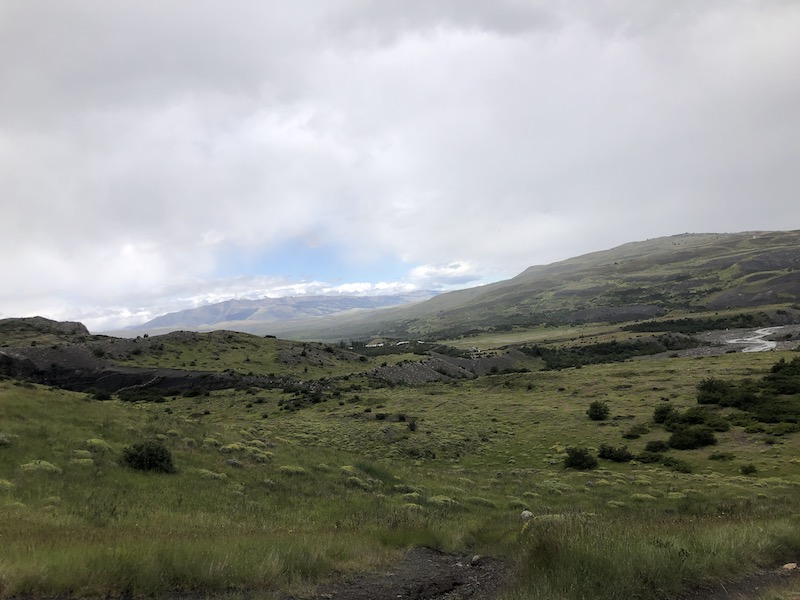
column 679, row 274
column 247, row 314
column 670, row 275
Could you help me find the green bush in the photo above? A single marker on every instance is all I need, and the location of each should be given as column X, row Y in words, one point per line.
column 635, row 432
column 714, row 391
column 620, row 454
column 580, row 458
column 149, row 456
column 649, row 457
column 699, row 415
column 784, row 428
column 656, row 446
column 692, row 436
column 676, row 464
column 748, row 469
column 598, row 411
column 663, row 413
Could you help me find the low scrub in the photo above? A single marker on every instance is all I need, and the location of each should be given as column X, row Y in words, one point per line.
column 775, row 398
column 606, row 352
column 620, row 455
column 149, row 456
column 598, row 411
column 580, row 459
column 656, row 446
column 691, row 437
column 696, row 325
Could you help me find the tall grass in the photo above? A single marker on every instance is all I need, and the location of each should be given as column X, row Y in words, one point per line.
column 340, row 489
column 76, row 560
column 580, row 556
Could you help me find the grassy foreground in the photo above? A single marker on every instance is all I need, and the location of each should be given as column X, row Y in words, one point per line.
column 271, row 497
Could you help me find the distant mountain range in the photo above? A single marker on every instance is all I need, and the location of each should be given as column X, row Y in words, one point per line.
column 249, row 315
column 639, row 280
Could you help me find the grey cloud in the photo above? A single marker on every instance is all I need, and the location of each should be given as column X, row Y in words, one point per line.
column 384, row 22
column 138, row 140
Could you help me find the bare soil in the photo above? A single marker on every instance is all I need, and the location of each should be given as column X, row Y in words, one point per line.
column 424, row 574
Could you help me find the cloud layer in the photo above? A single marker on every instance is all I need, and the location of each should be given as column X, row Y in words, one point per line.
column 148, row 150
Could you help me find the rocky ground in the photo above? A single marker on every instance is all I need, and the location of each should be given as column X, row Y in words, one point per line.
column 719, row 341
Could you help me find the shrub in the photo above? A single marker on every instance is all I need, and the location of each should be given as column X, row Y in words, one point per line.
column 580, row 458
column 649, row 457
column 699, row 415
column 784, row 428
column 693, row 436
column 656, row 446
column 598, row 411
column 149, row 456
column 635, row 432
column 676, row 464
column 713, row 391
column 620, row 454
column 664, row 413
column 748, row 469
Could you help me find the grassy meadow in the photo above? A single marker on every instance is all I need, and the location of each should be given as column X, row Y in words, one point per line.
column 275, row 493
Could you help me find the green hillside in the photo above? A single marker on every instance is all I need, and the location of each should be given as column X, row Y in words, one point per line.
column 679, row 274
column 334, row 463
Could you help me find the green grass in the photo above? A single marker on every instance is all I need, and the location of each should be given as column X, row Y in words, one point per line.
column 246, row 354
column 582, row 556
column 269, row 498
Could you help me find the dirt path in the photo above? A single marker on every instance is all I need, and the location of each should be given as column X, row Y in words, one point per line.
column 424, row 574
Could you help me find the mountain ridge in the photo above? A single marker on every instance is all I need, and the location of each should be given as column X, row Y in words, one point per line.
column 637, row 280
column 685, row 272
column 275, row 310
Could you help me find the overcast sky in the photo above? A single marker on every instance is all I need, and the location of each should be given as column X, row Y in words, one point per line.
column 157, row 155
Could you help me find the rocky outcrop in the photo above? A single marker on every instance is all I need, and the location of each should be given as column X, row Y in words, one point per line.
column 43, row 326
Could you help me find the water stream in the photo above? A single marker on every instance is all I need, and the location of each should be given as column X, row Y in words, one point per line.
column 755, row 342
